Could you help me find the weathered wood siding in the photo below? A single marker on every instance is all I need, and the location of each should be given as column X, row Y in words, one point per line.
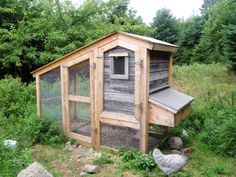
column 119, row 93
column 158, row 70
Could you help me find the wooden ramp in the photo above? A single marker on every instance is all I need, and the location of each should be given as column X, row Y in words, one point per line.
column 167, row 107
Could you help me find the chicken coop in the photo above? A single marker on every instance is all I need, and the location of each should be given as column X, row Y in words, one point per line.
column 110, row 92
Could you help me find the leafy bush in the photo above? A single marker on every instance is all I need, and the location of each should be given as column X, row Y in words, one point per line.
column 103, row 159
column 133, row 159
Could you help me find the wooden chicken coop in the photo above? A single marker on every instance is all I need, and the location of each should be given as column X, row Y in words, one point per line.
column 108, row 93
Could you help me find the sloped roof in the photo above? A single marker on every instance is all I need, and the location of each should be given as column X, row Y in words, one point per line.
column 139, row 37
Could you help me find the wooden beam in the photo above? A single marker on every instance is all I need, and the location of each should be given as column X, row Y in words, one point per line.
column 65, row 100
column 38, row 96
column 79, row 59
column 119, row 120
column 75, row 89
column 77, row 98
column 166, row 48
column 170, row 62
column 145, row 54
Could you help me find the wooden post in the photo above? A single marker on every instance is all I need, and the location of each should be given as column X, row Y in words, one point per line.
column 145, row 53
column 38, row 95
column 170, row 70
column 75, row 82
column 65, row 99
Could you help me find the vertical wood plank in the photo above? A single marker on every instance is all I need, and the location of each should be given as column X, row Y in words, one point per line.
column 38, row 95
column 75, row 93
column 98, row 93
column 65, row 100
column 137, row 84
column 92, row 98
column 170, row 70
column 144, row 96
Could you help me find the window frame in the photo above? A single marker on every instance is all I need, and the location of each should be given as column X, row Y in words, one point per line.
column 126, row 69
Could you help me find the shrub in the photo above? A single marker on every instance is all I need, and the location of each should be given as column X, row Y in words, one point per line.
column 103, row 159
column 133, row 159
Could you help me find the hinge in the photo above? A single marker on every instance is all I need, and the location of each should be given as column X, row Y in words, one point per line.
column 140, row 63
column 93, row 65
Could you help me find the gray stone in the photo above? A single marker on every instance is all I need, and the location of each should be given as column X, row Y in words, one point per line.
column 175, row 143
column 169, row 163
column 70, row 147
column 34, row 170
column 91, row 168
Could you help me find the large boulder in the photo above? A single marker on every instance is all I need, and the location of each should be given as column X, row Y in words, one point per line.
column 34, row 170
column 175, row 143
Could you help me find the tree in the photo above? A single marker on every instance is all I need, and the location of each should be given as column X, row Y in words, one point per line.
column 165, row 26
column 218, row 40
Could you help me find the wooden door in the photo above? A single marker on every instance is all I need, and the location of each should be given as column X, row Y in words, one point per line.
column 78, row 84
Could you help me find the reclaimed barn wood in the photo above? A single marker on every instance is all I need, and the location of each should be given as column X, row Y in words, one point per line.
column 119, row 93
column 111, row 90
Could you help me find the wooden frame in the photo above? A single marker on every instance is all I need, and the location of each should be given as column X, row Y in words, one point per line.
column 126, row 68
column 95, row 53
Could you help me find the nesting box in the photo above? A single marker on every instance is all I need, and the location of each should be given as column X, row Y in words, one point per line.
column 109, row 92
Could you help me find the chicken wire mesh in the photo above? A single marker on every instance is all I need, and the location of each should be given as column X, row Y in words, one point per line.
column 79, row 79
column 50, row 92
column 80, row 118
column 116, row 137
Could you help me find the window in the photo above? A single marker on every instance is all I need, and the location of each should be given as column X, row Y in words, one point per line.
column 120, row 67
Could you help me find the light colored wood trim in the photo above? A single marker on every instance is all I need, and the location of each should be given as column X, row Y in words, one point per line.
column 65, row 100
column 75, row 84
column 77, row 98
column 79, row 59
column 80, row 138
column 166, row 48
column 182, row 114
column 162, row 106
column 119, row 120
column 145, row 54
column 137, row 85
column 170, row 70
column 92, row 98
column 120, row 76
column 128, row 45
column 160, row 116
column 83, row 50
column 118, row 54
column 38, row 96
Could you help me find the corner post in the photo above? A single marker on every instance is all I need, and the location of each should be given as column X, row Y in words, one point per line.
column 144, row 124
column 170, row 62
column 38, row 95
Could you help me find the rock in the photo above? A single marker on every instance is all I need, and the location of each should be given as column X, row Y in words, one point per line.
column 175, row 143
column 10, row 143
column 174, row 151
column 90, row 168
column 83, row 173
column 169, row 163
column 34, row 170
column 69, row 147
column 184, row 133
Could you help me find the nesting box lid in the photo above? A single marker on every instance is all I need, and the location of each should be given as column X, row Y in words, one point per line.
column 170, row 99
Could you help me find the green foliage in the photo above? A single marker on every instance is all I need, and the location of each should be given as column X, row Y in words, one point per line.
column 213, row 111
column 13, row 160
column 35, row 33
column 133, row 159
column 165, row 26
column 103, row 159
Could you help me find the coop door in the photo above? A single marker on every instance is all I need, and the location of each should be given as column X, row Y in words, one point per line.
column 80, row 100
